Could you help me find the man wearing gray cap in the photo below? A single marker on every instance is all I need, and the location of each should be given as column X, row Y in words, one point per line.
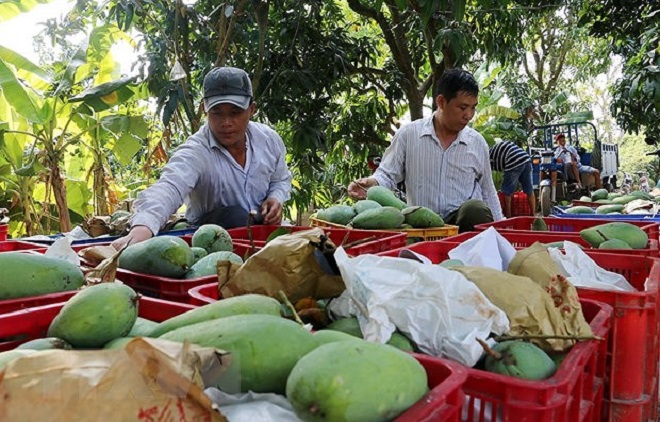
column 230, row 167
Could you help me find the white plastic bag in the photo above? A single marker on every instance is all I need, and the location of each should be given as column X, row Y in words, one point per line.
column 61, row 249
column 250, row 406
column 438, row 309
column 582, row 271
column 487, row 249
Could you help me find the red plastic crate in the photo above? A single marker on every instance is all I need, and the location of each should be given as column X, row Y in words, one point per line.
column 204, row 294
column 631, row 390
column 174, row 289
column 31, row 323
column 445, row 379
column 523, row 239
column 20, row 245
column 445, row 398
column 573, row 393
column 11, row 305
column 571, row 225
column 519, row 204
column 380, row 240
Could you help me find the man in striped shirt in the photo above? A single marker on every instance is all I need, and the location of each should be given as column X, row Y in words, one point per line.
column 516, row 164
column 443, row 163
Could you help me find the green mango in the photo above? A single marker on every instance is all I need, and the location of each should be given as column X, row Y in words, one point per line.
column 599, row 194
column 629, row 233
column 338, row 214
column 96, row 315
column 355, row 381
column 365, row 204
column 351, row 326
column 579, row 209
column 118, row 343
column 212, row 238
column 447, row 263
column 539, row 225
column 237, row 305
column 520, row 359
column 614, row 244
column 198, row 253
column 385, row 217
column 47, row 343
column 385, row 197
column 208, row 265
column 422, row 217
column 142, row 328
column 264, row 349
column 330, row 336
column 25, row 274
column 165, row 256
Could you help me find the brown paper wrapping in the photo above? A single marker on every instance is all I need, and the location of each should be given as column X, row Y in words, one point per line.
column 286, row 263
column 530, row 309
column 536, row 263
column 148, row 380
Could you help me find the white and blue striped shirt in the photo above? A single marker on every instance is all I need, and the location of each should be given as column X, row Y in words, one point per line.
column 435, row 178
column 203, row 175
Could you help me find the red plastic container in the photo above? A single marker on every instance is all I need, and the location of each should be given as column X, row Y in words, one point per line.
column 443, row 402
column 524, row 239
column 31, row 323
column 572, row 225
column 3, row 231
column 166, row 288
column 519, row 204
column 19, row 245
column 445, row 398
column 365, row 241
column 11, row 305
column 631, row 392
column 204, row 294
column 573, row 393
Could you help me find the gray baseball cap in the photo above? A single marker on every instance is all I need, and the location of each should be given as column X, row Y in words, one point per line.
column 227, row 85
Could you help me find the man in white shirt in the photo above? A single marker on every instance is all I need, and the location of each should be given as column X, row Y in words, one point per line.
column 230, row 167
column 571, row 159
column 444, row 164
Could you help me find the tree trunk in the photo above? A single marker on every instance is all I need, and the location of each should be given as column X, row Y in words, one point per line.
column 59, row 190
column 100, row 197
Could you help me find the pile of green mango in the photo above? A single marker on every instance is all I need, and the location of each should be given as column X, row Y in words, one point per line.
column 172, row 257
column 334, row 377
column 381, row 210
column 608, row 202
column 615, row 235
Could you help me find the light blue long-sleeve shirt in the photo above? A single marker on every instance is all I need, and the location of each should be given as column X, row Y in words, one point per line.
column 203, row 175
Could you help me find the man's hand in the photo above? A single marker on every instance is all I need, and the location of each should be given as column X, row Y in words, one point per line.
column 136, row 235
column 271, row 211
column 357, row 189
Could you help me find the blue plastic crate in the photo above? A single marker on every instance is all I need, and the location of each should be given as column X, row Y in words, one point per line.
column 558, row 211
column 104, row 239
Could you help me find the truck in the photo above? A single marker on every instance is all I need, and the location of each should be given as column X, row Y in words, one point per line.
column 582, row 135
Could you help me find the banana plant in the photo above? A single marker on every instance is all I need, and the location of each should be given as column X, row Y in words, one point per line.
column 52, row 112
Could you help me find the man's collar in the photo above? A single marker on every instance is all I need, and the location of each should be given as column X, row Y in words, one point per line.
column 429, row 130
